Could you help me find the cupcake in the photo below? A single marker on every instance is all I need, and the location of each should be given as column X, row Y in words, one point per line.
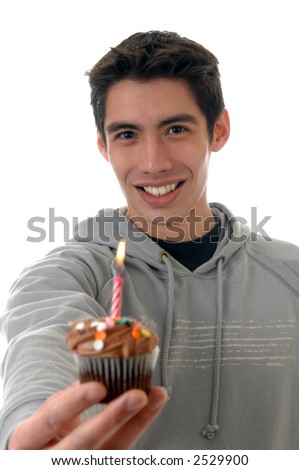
column 121, row 353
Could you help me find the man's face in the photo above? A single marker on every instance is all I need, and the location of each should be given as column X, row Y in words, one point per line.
column 158, row 145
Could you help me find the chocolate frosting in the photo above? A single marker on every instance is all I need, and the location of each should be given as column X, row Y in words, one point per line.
column 125, row 338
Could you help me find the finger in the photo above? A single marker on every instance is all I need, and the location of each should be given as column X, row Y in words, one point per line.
column 44, row 426
column 56, row 396
column 126, row 437
column 94, row 431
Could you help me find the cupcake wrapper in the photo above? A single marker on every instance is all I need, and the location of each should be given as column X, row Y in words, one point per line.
column 118, row 374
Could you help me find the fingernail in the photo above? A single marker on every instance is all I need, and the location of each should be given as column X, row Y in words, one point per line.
column 157, row 401
column 95, row 394
column 136, row 402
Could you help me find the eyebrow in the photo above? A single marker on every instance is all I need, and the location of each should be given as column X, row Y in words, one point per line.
column 183, row 117
column 119, row 125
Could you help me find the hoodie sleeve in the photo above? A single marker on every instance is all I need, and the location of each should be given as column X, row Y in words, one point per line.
column 61, row 288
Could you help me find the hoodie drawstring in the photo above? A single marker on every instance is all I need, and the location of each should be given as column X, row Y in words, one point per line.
column 164, row 258
column 210, row 429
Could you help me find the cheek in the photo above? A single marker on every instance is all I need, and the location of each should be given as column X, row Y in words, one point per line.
column 197, row 161
column 203, row 171
column 119, row 167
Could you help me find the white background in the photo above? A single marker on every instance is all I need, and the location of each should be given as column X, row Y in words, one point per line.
column 49, row 157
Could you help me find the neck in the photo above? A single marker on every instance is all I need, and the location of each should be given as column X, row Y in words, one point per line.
column 179, row 229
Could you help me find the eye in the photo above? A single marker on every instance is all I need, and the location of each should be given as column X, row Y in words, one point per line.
column 176, row 129
column 126, row 135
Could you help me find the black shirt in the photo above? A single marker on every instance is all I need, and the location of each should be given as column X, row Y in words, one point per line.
column 193, row 253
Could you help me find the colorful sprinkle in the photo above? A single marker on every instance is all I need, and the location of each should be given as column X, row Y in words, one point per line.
column 145, row 332
column 101, row 335
column 101, row 326
column 80, row 326
column 98, row 345
column 109, row 322
column 136, row 331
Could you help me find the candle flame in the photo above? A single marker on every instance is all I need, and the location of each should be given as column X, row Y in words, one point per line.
column 120, row 252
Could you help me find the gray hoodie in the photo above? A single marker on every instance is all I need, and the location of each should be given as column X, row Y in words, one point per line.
column 229, row 332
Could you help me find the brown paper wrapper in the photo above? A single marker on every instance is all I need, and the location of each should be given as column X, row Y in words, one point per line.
column 118, row 374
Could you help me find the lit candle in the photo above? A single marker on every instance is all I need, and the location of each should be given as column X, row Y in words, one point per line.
column 118, row 280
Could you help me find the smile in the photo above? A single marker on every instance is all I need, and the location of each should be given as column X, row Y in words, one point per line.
column 160, row 190
column 159, row 196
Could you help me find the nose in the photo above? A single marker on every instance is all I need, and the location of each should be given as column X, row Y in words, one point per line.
column 154, row 156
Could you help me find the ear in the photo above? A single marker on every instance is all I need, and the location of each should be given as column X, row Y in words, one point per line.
column 221, row 132
column 102, row 146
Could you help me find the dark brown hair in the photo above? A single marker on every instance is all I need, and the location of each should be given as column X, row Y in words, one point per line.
column 159, row 54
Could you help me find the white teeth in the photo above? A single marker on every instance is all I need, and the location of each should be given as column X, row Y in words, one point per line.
column 160, row 190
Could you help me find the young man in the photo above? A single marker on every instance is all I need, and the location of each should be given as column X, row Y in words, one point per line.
column 223, row 301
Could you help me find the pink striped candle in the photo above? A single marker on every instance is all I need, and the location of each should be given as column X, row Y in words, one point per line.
column 118, row 280
column 116, row 296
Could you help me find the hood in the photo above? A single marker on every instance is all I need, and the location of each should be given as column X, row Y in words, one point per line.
column 109, row 225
